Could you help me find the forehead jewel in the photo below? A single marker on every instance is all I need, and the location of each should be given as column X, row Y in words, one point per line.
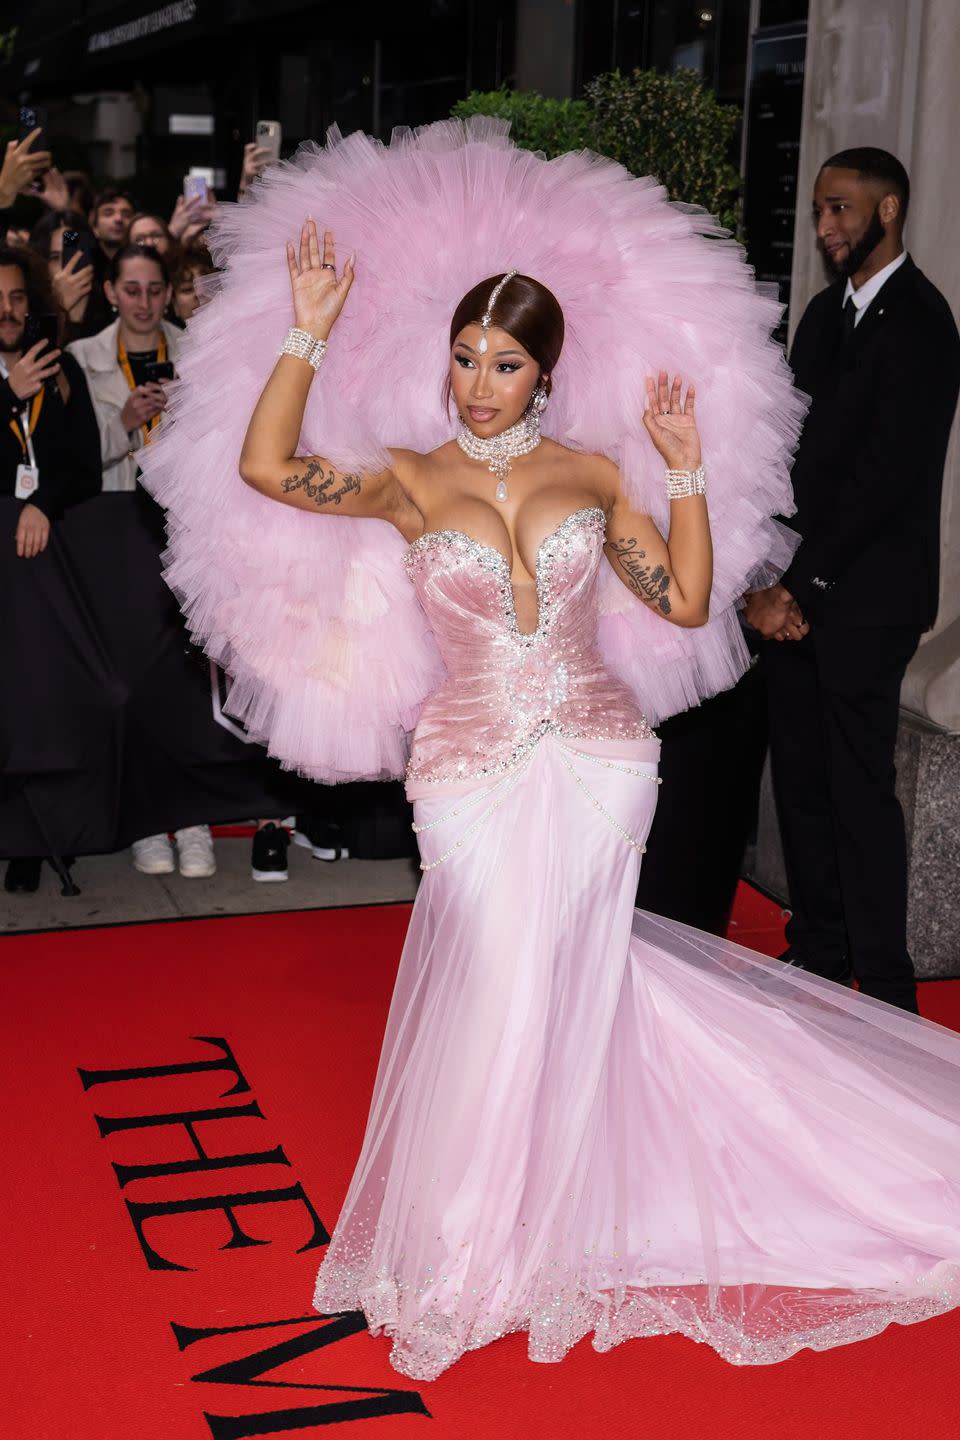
column 487, row 314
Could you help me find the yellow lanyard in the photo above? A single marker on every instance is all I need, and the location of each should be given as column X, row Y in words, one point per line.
column 16, row 423
column 124, row 360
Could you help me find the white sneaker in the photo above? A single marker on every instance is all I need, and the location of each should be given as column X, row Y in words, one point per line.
column 195, row 852
column 153, row 855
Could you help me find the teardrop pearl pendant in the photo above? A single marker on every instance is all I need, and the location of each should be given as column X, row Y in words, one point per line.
column 497, row 451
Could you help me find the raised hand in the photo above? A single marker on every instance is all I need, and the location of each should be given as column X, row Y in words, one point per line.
column 191, row 217
column 32, row 369
column 21, row 167
column 53, row 190
column 72, row 285
column 318, row 295
column 669, row 420
column 255, row 160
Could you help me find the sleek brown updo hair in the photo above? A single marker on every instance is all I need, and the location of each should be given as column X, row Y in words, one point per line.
column 524, row 308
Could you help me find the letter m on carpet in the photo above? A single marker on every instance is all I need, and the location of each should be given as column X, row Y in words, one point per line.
column 354, row 1403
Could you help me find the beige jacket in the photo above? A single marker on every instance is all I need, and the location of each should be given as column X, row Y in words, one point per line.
column 109, row 391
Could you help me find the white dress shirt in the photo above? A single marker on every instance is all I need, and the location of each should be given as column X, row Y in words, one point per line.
column 871, row 288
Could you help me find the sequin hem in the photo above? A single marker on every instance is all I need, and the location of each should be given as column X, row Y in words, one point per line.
column 436, row 1341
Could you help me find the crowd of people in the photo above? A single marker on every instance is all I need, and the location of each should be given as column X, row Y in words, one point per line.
column 94, row 298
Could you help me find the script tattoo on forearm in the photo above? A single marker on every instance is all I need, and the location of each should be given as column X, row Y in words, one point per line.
column 321, row 492
column 650, row 582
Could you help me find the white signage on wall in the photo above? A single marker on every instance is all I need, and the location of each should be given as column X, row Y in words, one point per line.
column 181, row 12
column 191, row 124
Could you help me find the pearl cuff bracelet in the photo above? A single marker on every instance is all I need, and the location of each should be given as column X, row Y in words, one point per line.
column 304, row 346
column 681, row 483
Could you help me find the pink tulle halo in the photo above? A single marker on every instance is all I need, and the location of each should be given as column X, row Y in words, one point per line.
column 312, row 615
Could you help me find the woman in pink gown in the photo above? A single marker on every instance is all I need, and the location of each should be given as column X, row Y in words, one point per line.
column 585, row 1118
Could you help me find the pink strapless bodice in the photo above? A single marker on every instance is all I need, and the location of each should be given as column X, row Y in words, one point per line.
column 505, row 689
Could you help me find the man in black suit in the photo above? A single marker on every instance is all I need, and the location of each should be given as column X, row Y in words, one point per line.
column 879, row 354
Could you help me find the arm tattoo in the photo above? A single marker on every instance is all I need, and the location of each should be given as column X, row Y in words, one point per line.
column 651, row 583
column 321, row 493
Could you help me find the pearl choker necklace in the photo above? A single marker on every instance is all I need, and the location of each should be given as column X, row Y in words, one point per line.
column 499, row 450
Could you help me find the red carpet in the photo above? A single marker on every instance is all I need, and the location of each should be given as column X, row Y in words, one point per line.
column 104, row 1339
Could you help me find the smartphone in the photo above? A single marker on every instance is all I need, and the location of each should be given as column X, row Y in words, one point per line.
column 32, row 116
column 75, row 241
column 157, row 370
column 41, row 327
column 268, row 136
column 195, row 187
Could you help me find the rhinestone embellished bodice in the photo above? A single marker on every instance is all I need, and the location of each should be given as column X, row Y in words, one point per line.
column 505, row 689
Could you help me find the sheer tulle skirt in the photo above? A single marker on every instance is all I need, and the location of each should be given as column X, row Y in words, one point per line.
column 591, row 1119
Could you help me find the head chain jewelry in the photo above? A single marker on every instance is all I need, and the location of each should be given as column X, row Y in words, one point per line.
column 487, row 316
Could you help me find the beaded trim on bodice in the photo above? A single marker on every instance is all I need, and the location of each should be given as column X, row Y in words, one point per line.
column 490, row 558
column 507, row 688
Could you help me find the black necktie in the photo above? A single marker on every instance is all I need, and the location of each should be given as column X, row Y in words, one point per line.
column 849, row 319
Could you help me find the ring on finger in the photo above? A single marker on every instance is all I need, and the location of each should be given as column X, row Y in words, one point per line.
column 327, row 266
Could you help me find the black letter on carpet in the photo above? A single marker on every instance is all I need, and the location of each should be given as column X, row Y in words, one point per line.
column 371, row 1402
column 193, row 1067
column 140, row 1212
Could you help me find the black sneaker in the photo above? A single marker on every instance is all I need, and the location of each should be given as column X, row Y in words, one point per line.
column 23, row 875
column 269, row 858
column 324, row 839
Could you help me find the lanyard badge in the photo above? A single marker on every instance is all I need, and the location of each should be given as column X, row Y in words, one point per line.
column 23, row 425
column 28, row 482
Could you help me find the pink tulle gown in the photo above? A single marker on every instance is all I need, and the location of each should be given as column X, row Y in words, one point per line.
column 590, row 1119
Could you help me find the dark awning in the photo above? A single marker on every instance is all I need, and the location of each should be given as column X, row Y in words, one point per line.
column 64, row 39
column 130, row 31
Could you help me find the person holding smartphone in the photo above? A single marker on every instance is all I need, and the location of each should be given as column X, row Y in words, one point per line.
column 49, row 457
column 128, row 366
column 129, row 363
column 256, row 157
column 192, row 213
column 49, row 453
column 77, row 268
column 22, row 167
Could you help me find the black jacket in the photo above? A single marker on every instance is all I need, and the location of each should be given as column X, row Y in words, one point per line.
column 66, row 443
column 869, row 468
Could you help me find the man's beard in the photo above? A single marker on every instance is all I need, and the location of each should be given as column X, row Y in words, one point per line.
column 11, row 347
column 859, row 254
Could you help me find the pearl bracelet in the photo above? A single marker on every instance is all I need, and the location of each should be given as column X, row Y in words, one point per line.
column 681, row 483
column 304, row 346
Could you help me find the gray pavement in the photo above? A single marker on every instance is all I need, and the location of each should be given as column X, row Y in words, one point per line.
column 114, row 893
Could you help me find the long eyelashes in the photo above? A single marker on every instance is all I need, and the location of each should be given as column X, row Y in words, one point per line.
column 506, row 367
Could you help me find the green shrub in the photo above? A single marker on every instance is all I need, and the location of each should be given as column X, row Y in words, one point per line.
column 553, row 126
column 671, row 126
